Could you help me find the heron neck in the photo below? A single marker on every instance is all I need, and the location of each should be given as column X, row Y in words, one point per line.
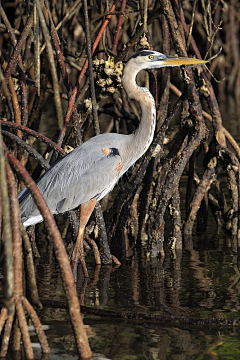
column 143, row 136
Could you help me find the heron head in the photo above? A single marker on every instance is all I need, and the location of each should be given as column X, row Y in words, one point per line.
column 148, row 59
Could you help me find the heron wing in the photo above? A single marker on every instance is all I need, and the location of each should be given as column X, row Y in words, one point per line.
column 96, row 182
column 87, row 172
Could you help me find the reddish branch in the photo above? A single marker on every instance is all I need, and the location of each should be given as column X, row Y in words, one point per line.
column 7, row 315
column 119, row 27
column 37, row 135
column 66, row 272
column 45, row 165
column 22, row 74
column 75, row 90
column 13, row 60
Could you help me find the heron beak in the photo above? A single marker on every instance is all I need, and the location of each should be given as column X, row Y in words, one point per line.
column 174, row 61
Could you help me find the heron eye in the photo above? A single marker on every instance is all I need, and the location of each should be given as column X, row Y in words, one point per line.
column 151, row 57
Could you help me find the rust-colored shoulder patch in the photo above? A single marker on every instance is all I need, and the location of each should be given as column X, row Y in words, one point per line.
column 106, row 151
column 119, row 167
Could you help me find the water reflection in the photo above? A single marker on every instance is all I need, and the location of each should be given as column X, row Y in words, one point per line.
column 201, row 283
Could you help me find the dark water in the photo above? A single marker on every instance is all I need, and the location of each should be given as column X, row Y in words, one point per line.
column 199, row 284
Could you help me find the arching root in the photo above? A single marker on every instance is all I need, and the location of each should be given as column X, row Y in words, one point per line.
column 18, row 310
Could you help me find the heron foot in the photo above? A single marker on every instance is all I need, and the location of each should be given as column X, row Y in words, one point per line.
column 78, row 255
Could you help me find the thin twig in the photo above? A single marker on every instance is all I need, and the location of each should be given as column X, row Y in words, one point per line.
column 15, row 56
column 28, row 148
column 191, row 25
column 35, row 134
column 90, row 66
column 57, row 98
column 36, row 46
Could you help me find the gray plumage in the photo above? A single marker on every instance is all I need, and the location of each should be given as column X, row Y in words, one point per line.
column 83, row 174
column 92, row 169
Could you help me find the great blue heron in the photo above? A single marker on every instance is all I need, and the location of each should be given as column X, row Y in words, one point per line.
column 91, row 171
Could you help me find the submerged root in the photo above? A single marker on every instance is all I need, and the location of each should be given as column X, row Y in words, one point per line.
column 18, row 310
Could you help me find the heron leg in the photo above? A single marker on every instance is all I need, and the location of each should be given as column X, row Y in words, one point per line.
column 78, row 252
